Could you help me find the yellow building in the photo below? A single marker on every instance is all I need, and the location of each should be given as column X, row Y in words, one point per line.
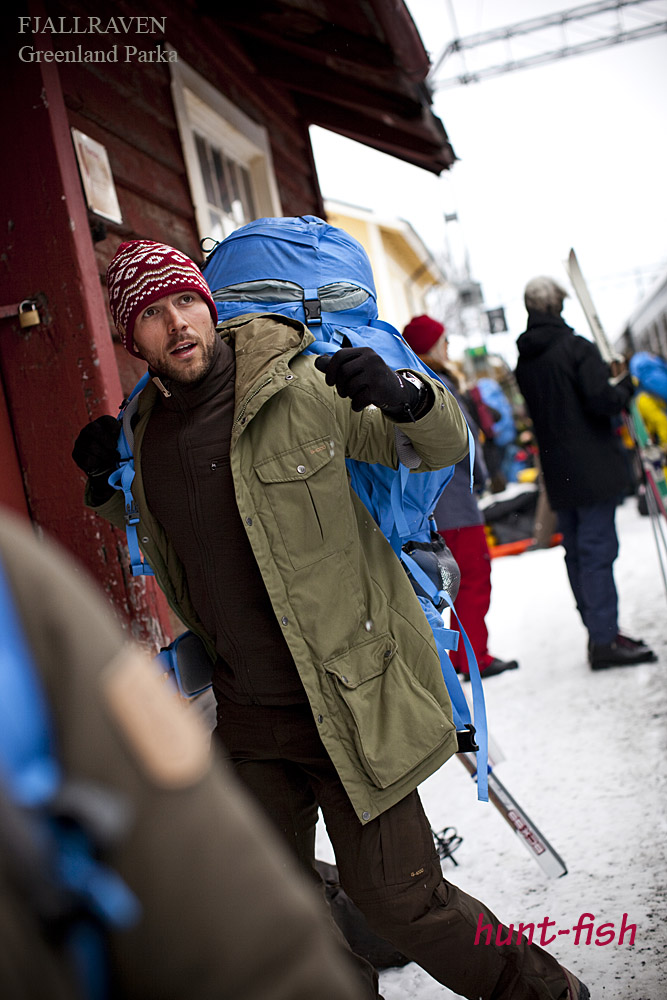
column 403, row 267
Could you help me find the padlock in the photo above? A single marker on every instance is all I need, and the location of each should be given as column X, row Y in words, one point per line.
column 28, row 315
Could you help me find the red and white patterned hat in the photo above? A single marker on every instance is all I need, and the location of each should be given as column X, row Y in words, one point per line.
column 142, row 272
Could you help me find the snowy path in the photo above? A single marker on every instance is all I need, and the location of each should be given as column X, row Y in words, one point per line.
column 585, row 755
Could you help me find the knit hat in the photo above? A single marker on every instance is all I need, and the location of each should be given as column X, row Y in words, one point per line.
column 142, row 272
column 422, row 333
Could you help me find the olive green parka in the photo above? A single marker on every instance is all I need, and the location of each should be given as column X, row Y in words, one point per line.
column 360, row 640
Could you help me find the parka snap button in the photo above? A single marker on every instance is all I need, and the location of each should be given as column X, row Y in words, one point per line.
column 288, row 378
column 320, row 719
column 248, row 521
column 365, row 815
column 343, row 678
column 284, row 620
column 301, row 469
column 387, row 654
column 145, row 539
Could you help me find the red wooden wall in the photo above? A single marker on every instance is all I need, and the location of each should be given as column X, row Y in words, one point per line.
column 69, row 369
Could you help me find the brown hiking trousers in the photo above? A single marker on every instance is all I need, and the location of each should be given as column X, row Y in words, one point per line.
column 389, row 866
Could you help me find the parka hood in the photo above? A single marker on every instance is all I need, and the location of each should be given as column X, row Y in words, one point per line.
column 260, row 341
column 542, row 332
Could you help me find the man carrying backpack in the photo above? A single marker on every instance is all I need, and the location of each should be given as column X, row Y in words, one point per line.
column 326, row 675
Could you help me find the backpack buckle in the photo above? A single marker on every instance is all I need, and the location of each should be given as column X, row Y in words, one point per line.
column 131, row 513
column 466, row 739
column 312, row 310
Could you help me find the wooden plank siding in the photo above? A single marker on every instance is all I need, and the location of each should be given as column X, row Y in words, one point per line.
column 128, row 107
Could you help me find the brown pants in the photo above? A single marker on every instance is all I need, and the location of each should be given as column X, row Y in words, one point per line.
column 389, row 867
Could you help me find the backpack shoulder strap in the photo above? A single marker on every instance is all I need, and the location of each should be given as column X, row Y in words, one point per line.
column 123, row 477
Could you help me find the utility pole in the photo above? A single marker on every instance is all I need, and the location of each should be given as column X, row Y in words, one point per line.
column 613, row 21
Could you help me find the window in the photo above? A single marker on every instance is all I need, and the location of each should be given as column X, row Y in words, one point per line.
column 228, row 187
column 227, row 156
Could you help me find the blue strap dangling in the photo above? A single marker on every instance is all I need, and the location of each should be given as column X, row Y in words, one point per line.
column 460, row 708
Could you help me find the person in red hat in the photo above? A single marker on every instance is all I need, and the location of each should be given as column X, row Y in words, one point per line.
column 459, row 518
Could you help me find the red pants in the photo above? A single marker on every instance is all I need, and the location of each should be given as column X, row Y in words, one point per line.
column 471, row 551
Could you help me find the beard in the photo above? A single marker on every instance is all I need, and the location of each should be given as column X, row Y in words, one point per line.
column 166, row 366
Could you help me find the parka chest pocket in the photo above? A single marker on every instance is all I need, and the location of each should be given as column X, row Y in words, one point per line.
column 309, row 497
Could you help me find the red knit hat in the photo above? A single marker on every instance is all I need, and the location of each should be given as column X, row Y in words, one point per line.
column 422, row 333
column 142, row 272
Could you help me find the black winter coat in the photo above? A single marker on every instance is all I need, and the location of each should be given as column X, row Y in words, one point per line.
column 565, row 384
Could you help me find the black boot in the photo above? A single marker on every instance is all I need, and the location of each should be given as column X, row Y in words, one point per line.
column 622, row 652
column 494, row 668
column 497, row 666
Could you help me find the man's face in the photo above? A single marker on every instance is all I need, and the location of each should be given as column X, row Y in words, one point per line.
column 176, row 336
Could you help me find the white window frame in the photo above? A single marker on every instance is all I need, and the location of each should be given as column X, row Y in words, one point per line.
column 200, row 107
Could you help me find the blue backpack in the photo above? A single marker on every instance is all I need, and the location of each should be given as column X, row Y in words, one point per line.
column 49, row 827
column 307, row 270
column 504, row 428
column 651, row 373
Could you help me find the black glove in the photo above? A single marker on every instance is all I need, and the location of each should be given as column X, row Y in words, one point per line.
column 96, row 448
column 96, row 453
column 361, row 374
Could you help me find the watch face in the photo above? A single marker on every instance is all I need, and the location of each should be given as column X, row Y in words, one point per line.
column 409, row 377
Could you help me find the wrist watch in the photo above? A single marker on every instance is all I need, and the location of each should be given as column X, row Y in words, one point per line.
column 413, row 379
column 414, row 410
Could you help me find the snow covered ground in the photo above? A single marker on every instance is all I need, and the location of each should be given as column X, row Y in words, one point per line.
column 585, row 755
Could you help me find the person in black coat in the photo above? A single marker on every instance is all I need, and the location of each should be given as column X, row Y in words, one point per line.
column 575, row 407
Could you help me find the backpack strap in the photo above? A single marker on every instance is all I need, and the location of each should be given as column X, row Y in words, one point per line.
column 395, row 528
column 93, row 897
column 123, row 477
column 460, row 709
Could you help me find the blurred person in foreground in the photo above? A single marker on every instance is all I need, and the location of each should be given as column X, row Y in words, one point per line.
column 574, row 403
column 458, row 516
column 218, row 909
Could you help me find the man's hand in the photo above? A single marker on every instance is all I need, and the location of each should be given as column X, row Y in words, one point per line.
column 619, row 368
column 360, row 374
column 96, row 448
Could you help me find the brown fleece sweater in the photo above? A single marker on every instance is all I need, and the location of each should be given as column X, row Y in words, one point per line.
column 189, row 488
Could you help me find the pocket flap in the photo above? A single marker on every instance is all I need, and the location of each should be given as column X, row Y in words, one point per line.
column 298, row 463
column 370, row 660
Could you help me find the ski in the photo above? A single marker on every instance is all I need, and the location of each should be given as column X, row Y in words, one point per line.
column 578, row 282
column 535, row 842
